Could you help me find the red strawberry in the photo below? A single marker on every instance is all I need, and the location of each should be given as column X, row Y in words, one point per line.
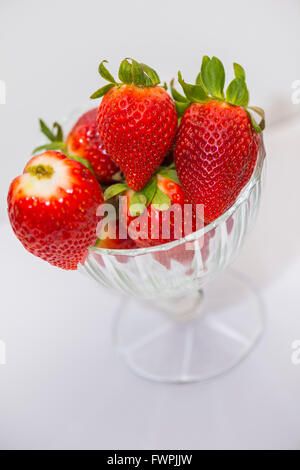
column 149, row 225
column 52, row 209
column 84, row 141
column 137, row 121
column 157, row 214
column 217, row 144
column 111, row 240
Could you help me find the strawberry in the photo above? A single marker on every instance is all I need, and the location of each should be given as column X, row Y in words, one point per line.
column 218, row 140
column 160, row 213
column 111, row 240
column 83, row 143
column 52, row 209
column 137, row 121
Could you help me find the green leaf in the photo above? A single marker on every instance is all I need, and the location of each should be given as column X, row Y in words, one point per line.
column 150, row 190
column 205, row 62
column 114, row 190
column 192, row 92
column 153, row 76
column 161, row 201
column 53, row 146
column 261, row 113
column 138, row 73
column 170, row 174
column 176, row 95
column 255, row 126
column 199, row 80
column 199, row 94
column 83, row 161
column 239, row 72
column 138, row 204
column 59, row 132
column 148, row 82
column 213, row 76
column 182, row 107
column 187, row 88
column 105, row 73
column 102, row 91
column 258, row 111
column 262, row 125
column 46, row 131
column 237, row 93
column 125, row 72
column 138, row 76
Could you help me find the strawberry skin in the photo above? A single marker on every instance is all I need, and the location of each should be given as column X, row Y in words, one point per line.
column 153, row 217
column 215, row 154
column 137, row 126
column 112, row 241
column 150, row 224
column 84, row 141
column 52, row 209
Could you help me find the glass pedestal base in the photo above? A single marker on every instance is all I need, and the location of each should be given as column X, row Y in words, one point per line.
column 191, row 339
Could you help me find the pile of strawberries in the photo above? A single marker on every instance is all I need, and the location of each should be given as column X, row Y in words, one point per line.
column 155, row 152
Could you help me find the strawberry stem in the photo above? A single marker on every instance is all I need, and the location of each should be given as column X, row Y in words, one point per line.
column 210, row 87
column 131, row 72
column 41, row 171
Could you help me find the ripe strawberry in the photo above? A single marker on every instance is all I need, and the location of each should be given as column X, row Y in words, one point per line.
column 150, row 223
column 52, row 209
column 137, row 121
column 159, row 214
column 84, row 143
column 110, row 239
column 218, row 141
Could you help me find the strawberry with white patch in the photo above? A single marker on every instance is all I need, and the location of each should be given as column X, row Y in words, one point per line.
column 52, row 209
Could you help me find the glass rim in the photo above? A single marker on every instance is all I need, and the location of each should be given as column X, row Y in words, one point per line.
column 242, row 197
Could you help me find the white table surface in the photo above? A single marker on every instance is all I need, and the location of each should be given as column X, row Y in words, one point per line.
column 65, row 388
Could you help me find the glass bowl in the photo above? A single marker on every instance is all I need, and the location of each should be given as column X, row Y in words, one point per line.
column 169, row 329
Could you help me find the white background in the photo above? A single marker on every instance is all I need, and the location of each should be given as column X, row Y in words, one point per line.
column 63, row 386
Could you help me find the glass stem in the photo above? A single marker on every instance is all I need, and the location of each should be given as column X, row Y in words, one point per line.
column 183, row 309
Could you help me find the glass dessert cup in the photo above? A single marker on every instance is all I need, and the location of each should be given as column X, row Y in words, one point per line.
column 170, row 329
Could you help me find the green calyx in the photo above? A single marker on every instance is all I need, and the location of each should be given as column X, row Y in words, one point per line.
column 150, row 194
column 56, row 138
column 131, row 72
column 209, row 86
column 54, row 135
column 115, row 190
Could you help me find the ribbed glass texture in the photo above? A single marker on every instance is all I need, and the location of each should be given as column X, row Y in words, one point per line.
column 175, row 269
